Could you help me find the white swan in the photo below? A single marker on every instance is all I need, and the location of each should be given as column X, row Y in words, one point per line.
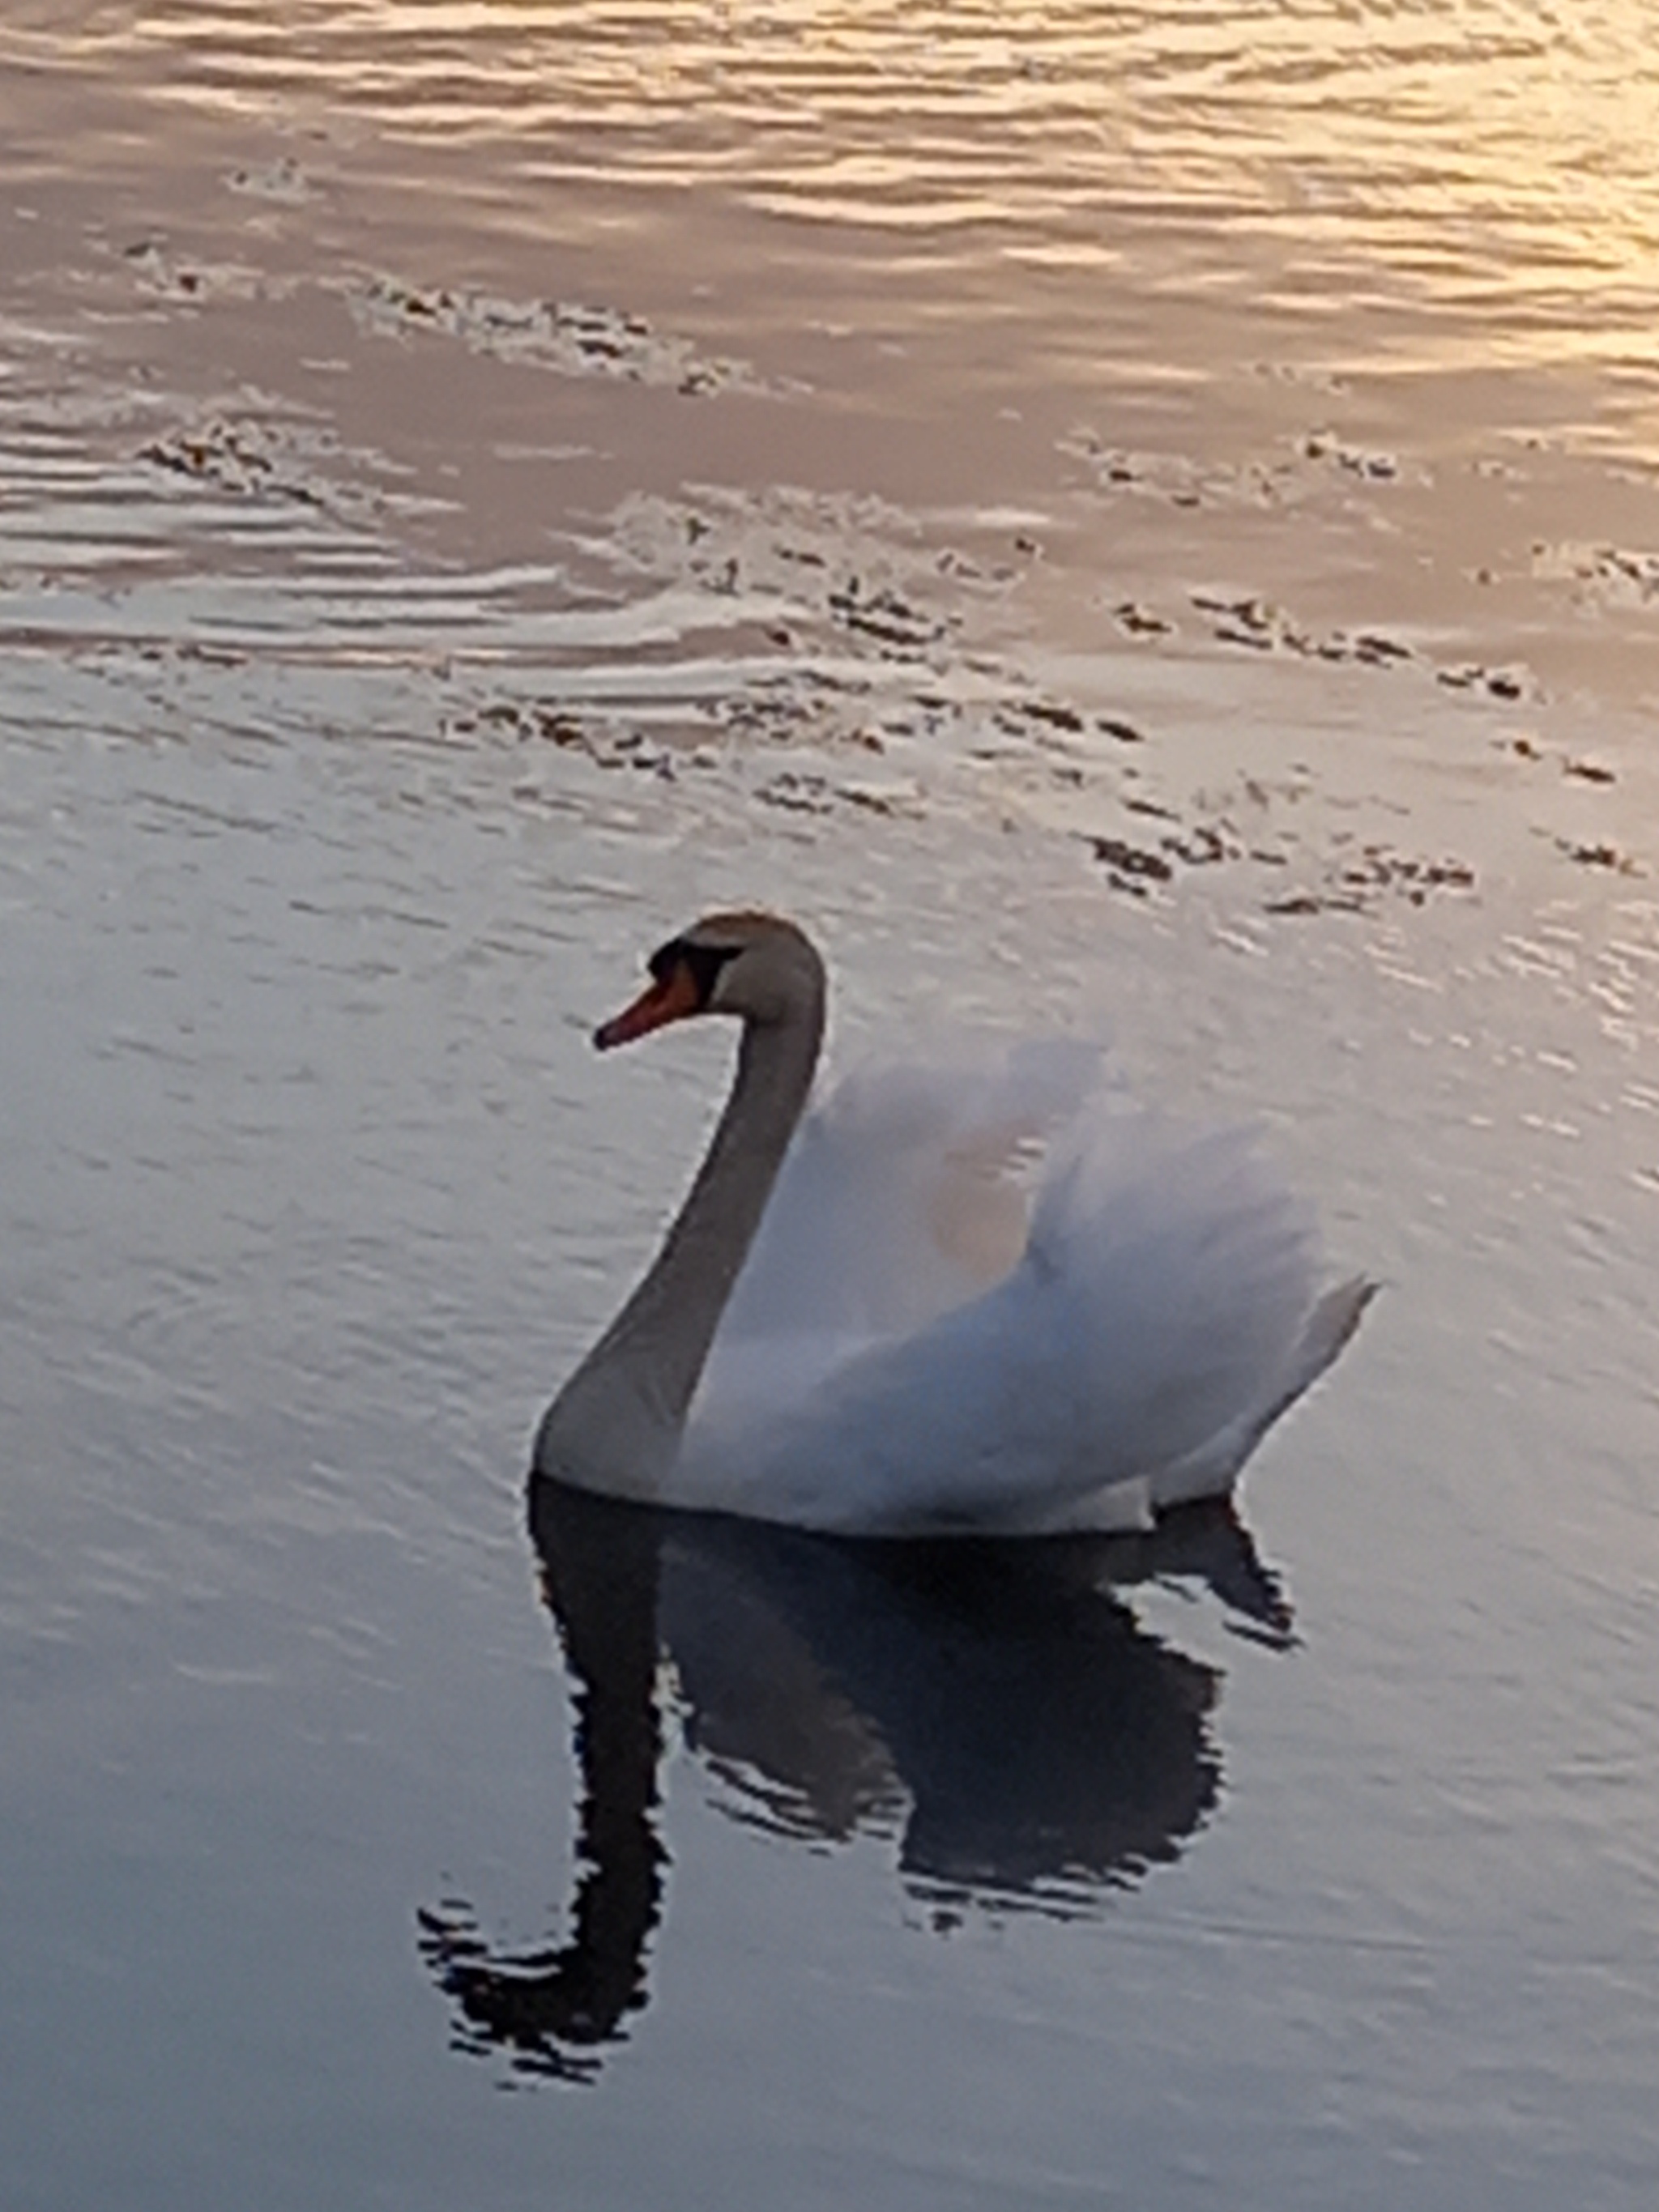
column 873, row 1340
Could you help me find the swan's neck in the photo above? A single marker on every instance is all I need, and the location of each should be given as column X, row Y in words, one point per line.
column 672, row 1317
column 616, row 1425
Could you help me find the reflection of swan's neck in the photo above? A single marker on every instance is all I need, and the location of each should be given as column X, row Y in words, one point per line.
column 553, row 2010
column 616, row 1425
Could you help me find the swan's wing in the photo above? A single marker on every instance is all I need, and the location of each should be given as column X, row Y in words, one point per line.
column 1162, row 1301
column 901, row 1193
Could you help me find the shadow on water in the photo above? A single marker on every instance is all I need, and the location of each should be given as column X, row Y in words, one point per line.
column 997, row 1706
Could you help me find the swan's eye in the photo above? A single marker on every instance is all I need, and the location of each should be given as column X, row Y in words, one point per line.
column 705, row 962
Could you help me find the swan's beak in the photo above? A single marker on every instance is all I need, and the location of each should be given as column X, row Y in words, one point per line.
column 671, row 1000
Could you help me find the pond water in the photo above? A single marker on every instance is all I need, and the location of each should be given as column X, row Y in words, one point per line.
column 1124, row 519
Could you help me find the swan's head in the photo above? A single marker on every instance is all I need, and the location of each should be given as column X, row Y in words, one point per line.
column 757, row 967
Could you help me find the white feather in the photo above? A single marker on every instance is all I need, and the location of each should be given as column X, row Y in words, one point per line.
column 1128, row 1350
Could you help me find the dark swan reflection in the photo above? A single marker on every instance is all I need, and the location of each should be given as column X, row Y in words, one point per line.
column 995, row 1705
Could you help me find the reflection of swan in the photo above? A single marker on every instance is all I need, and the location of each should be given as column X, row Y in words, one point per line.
column 1129, row 1352
column 551, row 2010
column 995, row 1705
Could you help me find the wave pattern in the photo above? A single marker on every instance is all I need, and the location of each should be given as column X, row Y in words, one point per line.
column 1462, row 158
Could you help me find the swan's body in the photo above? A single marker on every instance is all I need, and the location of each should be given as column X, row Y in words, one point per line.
column 856, row 1330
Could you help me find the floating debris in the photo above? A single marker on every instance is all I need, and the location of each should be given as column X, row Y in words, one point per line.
column 259, row 457
column 1202, row 846
column 1130, row 867
column 1306, row 902
column 1265, row 628
column 1614, row 572
column 574, row 339
column 1181, row 480
column 1380, row 868
column 1507, row 683
column 614, row 745
column 1295, row 472
column 1361, row 882
column 1599, row 856
column 1352, row 460
column 1254, row 623
column 172, row 276
column 885, row 615
column 1137, row 621
column 1047, row 710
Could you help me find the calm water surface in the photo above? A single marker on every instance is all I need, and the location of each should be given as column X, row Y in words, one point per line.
column 1123, row 518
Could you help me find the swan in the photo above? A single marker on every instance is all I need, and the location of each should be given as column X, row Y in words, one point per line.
column 854, row 1322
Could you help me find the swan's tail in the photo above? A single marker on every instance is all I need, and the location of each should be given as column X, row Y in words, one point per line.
column 1328, row 1328
column 1210, row 1471
column 1329, row 1325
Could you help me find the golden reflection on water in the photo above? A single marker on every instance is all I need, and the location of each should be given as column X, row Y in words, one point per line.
column 1483, row 159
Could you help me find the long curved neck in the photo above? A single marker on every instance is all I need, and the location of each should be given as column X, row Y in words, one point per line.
column 673, row 1314
column 616, row 1425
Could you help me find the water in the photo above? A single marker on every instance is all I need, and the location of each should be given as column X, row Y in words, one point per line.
column 1120, row 519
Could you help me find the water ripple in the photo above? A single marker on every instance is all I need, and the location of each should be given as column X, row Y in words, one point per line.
column 1448, row 158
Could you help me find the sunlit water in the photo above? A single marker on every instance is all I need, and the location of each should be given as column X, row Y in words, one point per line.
column 1124, row 519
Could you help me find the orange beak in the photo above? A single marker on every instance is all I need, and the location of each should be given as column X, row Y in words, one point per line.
column 671, row 1000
